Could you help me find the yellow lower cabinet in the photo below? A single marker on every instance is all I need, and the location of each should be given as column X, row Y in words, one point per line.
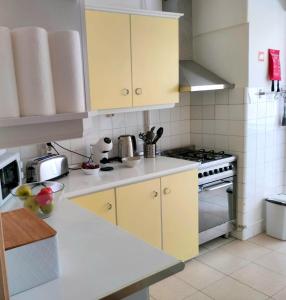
column 139, row 210
column 101, row 204
column 180, row 215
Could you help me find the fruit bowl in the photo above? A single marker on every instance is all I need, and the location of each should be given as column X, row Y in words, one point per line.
column 39, row 197
column 89, row 168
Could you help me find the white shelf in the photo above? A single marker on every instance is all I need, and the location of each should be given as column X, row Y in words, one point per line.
column 22, row 121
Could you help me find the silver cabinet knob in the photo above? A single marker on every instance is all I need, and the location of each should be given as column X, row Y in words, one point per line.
column 138, row 91
column 166, row 191
column 124, row 92
column 155, row 194
column 109, row 206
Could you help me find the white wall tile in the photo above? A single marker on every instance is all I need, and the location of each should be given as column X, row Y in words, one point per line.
column 209, row 126
column 185, row 99
column 209, row 98
column 176, row 113
column 196, row 98
column 221, row 97
column 208, row 112
column 196, row 112
column 221, row 143
column 221, row 112
column 118, row 120
column 236, row 112
column 236, row 96
column 236, row 128
column 165, row 115
column 221, row 127
column 196, row 126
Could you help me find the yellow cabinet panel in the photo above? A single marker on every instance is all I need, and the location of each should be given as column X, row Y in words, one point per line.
column 139, row 210
column 180, row 214
column 101, row 204
column 109, row 59
column 155, row 60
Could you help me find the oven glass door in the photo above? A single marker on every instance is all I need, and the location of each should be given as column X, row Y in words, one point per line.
column 216, row 203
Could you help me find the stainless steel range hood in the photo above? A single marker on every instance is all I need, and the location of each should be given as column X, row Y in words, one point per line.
column 194, row 78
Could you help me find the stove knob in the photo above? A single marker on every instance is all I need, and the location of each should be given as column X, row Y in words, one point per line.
column 211, row 172
column 220, row 170
column 200, row 175
column 230, row 167
column 206, row 174
column 226, row 168
column 215, row 171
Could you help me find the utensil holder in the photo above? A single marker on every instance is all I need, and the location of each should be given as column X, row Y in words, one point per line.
column 149, row 150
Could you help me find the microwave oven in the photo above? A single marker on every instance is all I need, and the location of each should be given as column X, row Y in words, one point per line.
column 10, row 175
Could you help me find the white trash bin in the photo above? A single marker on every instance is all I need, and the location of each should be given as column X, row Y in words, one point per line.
column 276, row 216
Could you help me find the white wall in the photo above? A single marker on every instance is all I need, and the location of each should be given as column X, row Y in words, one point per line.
column 210, row 15
column 148, row 4
column 267, row 30
column 220, row 32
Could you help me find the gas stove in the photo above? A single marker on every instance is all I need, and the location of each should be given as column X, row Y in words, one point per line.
column 214, row 165
column 217, row 190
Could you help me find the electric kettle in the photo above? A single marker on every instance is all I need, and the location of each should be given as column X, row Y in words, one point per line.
column 126, row 146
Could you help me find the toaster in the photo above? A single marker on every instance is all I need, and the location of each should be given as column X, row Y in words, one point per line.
column 47, row 167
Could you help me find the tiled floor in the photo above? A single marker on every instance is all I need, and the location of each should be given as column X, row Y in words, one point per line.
column 228, row 269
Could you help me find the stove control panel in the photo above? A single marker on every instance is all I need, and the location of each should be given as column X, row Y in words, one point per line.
column 225, row 169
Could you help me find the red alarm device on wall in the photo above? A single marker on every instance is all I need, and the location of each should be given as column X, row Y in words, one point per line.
column 274, row 68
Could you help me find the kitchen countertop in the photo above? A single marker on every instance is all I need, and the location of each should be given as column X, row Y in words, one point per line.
column 99, row 260
column 77, row 183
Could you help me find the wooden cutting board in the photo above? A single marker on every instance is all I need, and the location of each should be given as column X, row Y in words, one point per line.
column 22, row 227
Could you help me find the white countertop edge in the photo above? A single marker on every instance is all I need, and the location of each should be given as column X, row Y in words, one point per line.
column 132, row 180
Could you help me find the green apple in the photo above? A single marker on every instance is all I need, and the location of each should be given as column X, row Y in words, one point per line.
column 24, row 191
column 47, row 209
column 31, row 203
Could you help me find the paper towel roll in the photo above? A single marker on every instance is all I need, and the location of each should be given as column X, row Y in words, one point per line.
column 33, row 71
column 9, row 105
column 67, row 69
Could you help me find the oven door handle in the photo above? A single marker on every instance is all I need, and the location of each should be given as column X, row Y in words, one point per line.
column 218, row 186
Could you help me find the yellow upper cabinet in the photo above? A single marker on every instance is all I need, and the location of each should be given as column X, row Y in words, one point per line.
column 109, row 59
column 102, row 204
column 139, row 210
column 155, row 60
column 180, row 214
column 133, row 60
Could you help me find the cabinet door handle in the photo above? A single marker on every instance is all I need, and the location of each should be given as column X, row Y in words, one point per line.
column 138, row 91
column 155, row 194
column 109, row 206
column 124, row 92
column 166, row 191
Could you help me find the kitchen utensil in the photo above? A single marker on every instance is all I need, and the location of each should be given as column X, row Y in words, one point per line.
column 150, row 135
column 149, row 150
column 142, row 136
column 39, row 197
column 127, row 146
column 47, row 167
column 131, row 162
column 159, row 134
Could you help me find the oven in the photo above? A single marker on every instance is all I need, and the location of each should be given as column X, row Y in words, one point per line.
column 217, row 208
